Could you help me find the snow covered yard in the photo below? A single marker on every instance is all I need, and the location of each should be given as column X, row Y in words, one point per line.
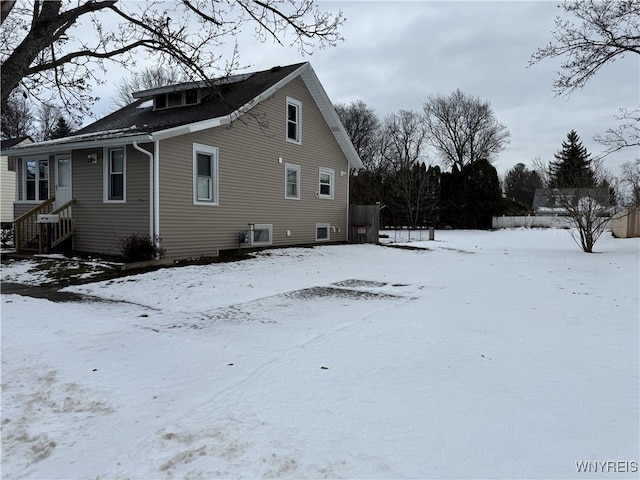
column 506, row 354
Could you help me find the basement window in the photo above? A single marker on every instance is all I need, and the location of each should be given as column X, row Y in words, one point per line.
column 261, row 234
column 322, row 231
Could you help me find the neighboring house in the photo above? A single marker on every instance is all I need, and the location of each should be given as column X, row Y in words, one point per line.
column 553, row 201
column 260, row 159
column 8, row 181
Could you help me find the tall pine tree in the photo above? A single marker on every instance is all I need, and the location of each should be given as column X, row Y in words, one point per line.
column 61, row 129
column 520, row 184
column 572, row 168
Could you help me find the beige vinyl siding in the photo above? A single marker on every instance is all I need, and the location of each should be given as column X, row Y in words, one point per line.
column 100, row 225
column 252, row 180
column 8, row 189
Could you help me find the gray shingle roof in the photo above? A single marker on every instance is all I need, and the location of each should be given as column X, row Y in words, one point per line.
column 220, row 101
column 12, row 142
column 230, row 97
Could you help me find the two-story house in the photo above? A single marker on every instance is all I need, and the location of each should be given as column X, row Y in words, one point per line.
column 253, row 160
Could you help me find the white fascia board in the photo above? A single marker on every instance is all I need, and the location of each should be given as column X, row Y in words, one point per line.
column 330, row 116
column 190, row 128
column 51, row 149
column 267, row 93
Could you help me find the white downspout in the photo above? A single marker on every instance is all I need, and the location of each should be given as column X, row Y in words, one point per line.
column 156, row 191
column 151, row 188
column 347, row 230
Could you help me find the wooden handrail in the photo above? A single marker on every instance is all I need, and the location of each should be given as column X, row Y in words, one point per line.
column 65, row 206
column 27, row 229
column 35, row 210
column 65, row 227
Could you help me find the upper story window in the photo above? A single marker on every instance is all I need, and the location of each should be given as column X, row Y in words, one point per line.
column 326, row 182
column 205, row 174
column 36, row 175
column 176, row 99
column 294, row 121
column 115, row 175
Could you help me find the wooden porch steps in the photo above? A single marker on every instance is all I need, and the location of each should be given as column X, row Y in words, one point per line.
column 30, row 235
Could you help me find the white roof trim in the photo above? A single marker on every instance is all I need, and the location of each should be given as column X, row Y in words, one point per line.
column 51, row 147
column 330, row 116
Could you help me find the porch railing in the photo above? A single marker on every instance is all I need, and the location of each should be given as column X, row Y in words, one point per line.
column 29, row 235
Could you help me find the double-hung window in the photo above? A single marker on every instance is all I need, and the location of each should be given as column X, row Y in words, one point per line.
column 205, row 174
column 115, row 175
column 292, row 181
column 294, row 121
column 36, row 177
column 326, row 182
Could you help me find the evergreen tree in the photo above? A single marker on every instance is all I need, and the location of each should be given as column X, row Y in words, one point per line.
column 61, row 129
column 482, row 195
column 470, row 197
column 572, row 168
column 520, row 184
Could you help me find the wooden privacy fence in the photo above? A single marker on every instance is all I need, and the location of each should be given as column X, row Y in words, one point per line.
column 626, row 224
column 364, row 223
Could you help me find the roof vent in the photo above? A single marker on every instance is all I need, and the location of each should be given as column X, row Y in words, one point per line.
column 275, row 69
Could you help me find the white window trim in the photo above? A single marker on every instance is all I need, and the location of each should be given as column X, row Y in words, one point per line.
column 298, row 105
column 38, row 200
column 262, row 226
column 332, row 173
column 208, row 150
column 328, row 227
column 287, row 167
column 106, row 161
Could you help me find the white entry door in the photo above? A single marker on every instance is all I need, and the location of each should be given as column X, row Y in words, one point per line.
column 63, row 180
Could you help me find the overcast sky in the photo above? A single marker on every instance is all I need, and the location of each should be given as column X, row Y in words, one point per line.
column 396, row 54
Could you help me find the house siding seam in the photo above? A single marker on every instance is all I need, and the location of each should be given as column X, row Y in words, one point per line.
column 251, row 180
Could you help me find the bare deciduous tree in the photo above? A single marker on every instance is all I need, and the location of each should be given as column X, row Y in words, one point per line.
column 58, row 49
column 363, row 127
column 406, row 133
column 606, row 30
column 630, row 180
column 587, row 205
column 17, row 116
column 147, row 78
column 462, row 129
column 47, row 116
column 625, row 134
